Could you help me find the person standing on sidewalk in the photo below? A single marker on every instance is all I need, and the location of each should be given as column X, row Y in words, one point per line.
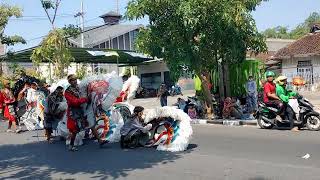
column 163, row 94
column 252, row 95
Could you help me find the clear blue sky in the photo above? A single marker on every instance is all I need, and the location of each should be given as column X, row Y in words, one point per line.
column 34, row 25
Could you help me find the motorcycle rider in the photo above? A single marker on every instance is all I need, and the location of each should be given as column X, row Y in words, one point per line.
column 285, row 95
column 269, row 92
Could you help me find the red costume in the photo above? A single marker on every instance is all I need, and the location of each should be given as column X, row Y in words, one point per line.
column 8, row 100
column 1, row 101
column 74, row 110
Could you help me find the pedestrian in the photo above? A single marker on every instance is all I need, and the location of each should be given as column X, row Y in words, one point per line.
column 76, row 120
column 192, row 112
column 54, row 111
column 163, row 94
column 9, row 109
column 252, row 94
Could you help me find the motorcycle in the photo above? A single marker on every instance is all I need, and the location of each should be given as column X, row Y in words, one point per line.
column 305, row 115
column 175, row 90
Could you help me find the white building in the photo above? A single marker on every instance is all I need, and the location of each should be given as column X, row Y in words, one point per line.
column 301, row 58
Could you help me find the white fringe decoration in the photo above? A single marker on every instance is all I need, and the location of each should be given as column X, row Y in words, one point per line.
column 185, row 131
column 132, row 85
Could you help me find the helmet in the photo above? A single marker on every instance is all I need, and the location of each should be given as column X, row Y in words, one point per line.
column 280, row 80
column 270, row 73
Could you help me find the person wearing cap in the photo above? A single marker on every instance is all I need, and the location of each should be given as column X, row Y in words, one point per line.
column 75, row 115
column 270, row 97
column 285, row 95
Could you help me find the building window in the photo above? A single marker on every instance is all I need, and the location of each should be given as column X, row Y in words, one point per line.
column 132, row 40
column 127, row 41
column 97, row 46
column 305, row 70
column 108, row 45
column 103, row 45
column 121, row 43
column 115, row 43
column 151, row 80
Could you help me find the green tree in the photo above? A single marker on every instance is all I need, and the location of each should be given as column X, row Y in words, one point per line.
column 302, row 29
column 16, row 69
column 197, row 34
column 6, row 12
column 280, row 32
column 54, row 47
column 82, row 71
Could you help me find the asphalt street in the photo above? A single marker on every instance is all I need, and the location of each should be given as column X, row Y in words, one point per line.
column 215, row 152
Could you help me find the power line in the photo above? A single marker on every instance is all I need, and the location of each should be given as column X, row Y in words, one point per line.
column 90, row 20
column 39, row 18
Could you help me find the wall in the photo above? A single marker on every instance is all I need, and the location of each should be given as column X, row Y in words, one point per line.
column 289, row 68
column 153, row 68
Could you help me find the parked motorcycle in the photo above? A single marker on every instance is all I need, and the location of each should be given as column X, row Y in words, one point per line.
column 175, row 90
column 305, row 115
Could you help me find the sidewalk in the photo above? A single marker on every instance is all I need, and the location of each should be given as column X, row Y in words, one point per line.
column 227, row 122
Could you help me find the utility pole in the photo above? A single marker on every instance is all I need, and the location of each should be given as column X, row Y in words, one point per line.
column 82, row 25
column 118, row 6
column 81, row 15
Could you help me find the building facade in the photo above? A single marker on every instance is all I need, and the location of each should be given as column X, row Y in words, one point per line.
column 302, row 58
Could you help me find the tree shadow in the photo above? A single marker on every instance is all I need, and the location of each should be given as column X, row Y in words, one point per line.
column 39, row 160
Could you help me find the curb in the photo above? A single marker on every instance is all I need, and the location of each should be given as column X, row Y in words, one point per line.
column 226, row 122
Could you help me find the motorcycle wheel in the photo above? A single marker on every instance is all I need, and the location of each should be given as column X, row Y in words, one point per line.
column 264, row 124
column 313, row 123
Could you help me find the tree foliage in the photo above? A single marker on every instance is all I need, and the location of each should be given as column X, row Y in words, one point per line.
column 302, row 29
column 197, row 33
column 6, row 12
column 53, row 49
column 82, row 71
column 49, row 5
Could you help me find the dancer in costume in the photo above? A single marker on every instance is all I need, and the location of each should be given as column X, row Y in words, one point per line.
column 54, row 111
column 75, row 114
column 129, row 88
column 134, row 126
column 9, row 109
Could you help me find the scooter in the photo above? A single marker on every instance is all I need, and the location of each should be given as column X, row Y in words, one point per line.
column 175, row 90
column 305, row 115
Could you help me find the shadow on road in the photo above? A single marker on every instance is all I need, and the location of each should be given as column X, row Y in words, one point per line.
column 38, row 160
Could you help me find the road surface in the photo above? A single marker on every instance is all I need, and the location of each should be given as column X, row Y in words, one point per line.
column 215, row 152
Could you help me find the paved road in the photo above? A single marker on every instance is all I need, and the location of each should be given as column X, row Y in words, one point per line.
column 215, row 152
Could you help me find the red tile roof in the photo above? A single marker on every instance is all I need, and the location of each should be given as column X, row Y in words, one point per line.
column 308, row 45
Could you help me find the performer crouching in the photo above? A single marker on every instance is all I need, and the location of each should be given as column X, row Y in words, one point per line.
column 76, row 120
column 133, row 133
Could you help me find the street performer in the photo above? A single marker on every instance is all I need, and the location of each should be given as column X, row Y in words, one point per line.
column 76, row 121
